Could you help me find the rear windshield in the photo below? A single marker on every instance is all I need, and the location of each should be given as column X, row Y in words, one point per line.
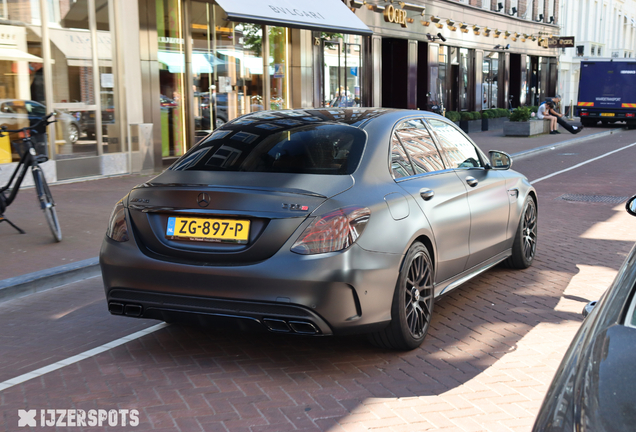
column 273, row 146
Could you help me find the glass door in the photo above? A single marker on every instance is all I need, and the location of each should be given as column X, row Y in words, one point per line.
column 342, row 73
column 490, row 70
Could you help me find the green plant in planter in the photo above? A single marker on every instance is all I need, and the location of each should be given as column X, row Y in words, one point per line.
column 466, row 116
column 476, row 115
column 503, row 112
column 534, row 109
column 520, row 114
column 453, row 116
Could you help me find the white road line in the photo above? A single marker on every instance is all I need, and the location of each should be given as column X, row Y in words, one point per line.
column 79, row 357
column 582, row 163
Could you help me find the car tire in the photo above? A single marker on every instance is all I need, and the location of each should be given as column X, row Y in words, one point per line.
column 413, row 301
column 73, row 133
column 524, row 246
column 220, row 122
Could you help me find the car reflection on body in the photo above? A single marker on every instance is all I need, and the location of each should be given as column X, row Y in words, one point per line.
column 593, row 388
column 320, row 222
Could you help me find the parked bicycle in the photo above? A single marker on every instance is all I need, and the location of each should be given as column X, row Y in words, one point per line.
column 33, row 150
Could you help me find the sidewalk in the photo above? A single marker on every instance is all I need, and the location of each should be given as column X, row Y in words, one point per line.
column 33, row 262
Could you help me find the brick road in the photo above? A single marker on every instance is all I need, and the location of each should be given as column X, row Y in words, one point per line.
column 492, row 349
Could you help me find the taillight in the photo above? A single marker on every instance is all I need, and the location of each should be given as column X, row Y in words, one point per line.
column 630, row 115
column 333, row 231
column 117, row 227
column 584, row 114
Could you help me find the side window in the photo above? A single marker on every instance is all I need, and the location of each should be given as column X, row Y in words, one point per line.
column 400, row 164
column 35, row 109
column 458, row 151
column 419, row 146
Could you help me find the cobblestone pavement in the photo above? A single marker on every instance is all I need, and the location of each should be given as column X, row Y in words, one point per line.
column 491, row 352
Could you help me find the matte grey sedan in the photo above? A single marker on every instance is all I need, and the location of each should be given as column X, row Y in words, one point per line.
column 319, row 222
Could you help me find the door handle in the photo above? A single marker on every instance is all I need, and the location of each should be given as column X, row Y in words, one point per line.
column 472, row 181
column 427, row 194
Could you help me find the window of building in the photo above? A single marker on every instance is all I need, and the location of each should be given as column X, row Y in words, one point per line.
column 419, row 146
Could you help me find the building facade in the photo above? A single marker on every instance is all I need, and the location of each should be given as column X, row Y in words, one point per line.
column 603, row 29
column 136, row 83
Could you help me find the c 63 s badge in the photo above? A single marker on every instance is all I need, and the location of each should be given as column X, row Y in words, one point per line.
column 299, row 207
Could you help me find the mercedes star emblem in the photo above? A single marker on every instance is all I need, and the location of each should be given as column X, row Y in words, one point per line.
column 203, row 199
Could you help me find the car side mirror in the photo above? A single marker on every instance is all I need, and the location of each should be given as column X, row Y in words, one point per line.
column 588, row 308
column 500, row 160
column 631, row 206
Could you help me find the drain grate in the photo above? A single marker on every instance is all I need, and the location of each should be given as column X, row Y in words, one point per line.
column 608, row 199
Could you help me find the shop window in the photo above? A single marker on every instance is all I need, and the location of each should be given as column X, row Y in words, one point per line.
column 279, row 65
column 227, row 66
column 21, row 70
column 171, row 58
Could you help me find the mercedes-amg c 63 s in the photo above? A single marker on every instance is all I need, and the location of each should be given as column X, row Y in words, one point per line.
column 319, row 222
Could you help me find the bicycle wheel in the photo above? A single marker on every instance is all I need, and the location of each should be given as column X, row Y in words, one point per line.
column 46, row 202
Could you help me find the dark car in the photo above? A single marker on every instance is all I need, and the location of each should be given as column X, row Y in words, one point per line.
column 320, row 222
column 593, row 388
column 17, row 113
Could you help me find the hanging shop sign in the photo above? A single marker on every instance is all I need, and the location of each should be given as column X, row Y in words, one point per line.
column 561, row 42
column 393, row 15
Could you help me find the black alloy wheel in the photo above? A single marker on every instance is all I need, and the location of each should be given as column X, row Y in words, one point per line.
column 413, row 302
column 524, row 246
column 529, row 231
column 418, row 295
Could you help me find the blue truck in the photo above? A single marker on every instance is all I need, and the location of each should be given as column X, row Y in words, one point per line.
column 607, row 92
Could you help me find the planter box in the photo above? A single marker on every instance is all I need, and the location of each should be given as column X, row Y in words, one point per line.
column 492, row 123
column 470, row 126
column 496, row 123
column 529, row 128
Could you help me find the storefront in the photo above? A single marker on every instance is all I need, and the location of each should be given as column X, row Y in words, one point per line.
column 137, row 83
column 59, row 56
column 457, row 56
column 215, row 61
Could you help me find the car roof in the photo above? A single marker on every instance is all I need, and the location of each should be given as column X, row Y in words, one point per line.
column 352, row 116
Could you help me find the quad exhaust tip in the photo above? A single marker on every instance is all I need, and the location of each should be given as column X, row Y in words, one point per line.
column 130, row 310
column 281, row 326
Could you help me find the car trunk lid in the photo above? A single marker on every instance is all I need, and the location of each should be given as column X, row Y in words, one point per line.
column 268, row 208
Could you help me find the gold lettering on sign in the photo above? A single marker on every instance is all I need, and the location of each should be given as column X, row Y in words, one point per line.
column 393, row 15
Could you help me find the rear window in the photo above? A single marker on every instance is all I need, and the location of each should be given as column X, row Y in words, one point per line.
column 280, row 146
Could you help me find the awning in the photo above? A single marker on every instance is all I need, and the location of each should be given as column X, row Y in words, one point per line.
column 323, row 15
column 11, row 53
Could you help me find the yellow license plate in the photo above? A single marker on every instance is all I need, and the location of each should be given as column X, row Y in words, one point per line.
column 607, row 114
column 208, row 229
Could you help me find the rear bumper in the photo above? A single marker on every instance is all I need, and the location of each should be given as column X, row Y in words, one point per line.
column 337, row 293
